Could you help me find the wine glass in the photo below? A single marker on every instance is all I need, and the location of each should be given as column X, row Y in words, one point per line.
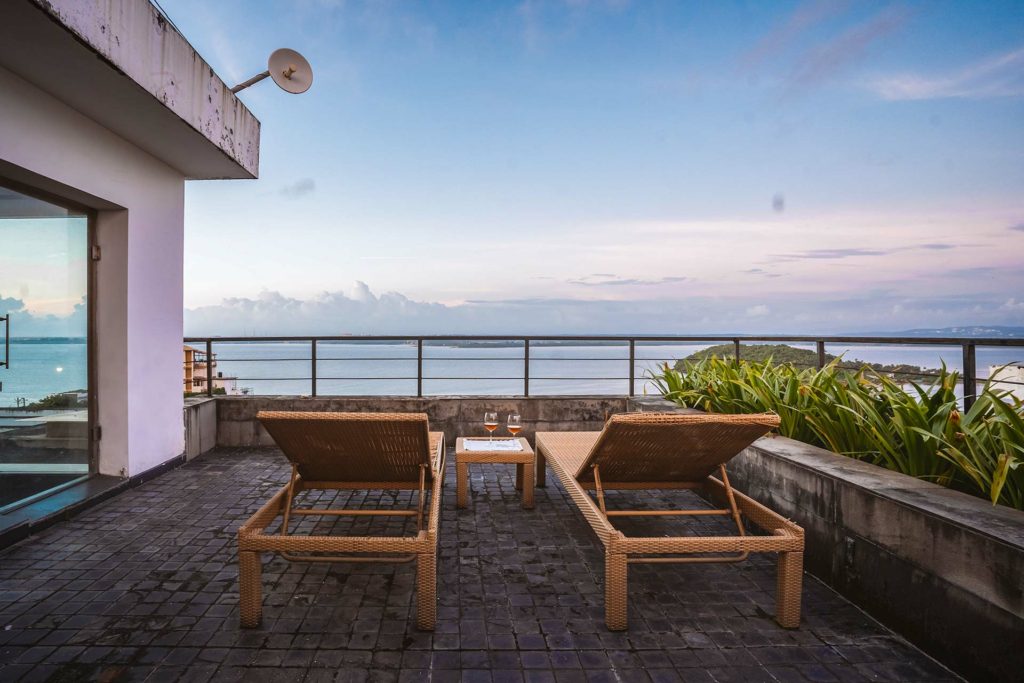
column 515, row 425
column 490, row 424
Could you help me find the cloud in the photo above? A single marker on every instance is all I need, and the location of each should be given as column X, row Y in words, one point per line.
column 823, row 62
column 828, row 254
column 27, row 324
column 762, row 272
column 1012, row 304
column 779, row 39
column 361, row 311
column 998, row 76
column 1017, row 228
column 610, row 280
column 849, row 252
column 542, row 21
column 975, row 272
column 299, row 188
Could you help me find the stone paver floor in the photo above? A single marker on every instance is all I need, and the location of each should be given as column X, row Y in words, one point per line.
column 144, row 587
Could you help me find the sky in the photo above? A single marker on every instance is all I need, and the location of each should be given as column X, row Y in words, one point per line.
column 43, row 268
column 572, row 166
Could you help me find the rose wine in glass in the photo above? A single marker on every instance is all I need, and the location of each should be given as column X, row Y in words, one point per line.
column 514, row 424
column 490, row 424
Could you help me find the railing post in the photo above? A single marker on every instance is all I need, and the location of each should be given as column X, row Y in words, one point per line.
column 632, row 367
column 6, row 319
column 209, row 367
column 419, row 368
column 526, row 367
column 821, row 353
column 312, row 356
column 736, row 348
column 970, row 375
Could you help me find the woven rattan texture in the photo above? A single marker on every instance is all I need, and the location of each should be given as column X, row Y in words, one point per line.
column 670, row 447
column 352, row 446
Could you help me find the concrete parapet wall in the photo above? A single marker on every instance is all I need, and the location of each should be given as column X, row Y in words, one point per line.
column 456, row 416
column 200, row 426
column 940, row 567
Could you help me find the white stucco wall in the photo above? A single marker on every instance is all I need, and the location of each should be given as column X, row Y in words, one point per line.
column 139, row 279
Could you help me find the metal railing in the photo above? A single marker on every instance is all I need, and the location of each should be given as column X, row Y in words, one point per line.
column 625, row 367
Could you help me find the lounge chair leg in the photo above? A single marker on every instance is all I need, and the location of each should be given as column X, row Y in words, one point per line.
column 540, row 467
column 426, row 590
column 615, row 591
column 788, row 590
column 250, row 589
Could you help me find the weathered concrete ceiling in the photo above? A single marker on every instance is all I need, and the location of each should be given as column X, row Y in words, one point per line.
column 121, row 64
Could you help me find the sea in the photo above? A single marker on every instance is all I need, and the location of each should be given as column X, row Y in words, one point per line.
column 40, row 367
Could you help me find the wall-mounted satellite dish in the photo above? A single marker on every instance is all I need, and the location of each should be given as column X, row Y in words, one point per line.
column 288, row 68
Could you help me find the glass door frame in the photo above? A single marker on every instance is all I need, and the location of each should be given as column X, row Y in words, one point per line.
column 92, row 447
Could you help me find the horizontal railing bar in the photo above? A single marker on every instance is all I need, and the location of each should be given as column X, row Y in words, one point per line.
column 474, row 379
column 846, row 365
column 979, row 380
column 340, row 379
column 459, row 358
column 265, row 379
column 258, row 360
column 394, row 358
column 610, row 360
column 884, row 341
column 532, row 359
column 582, row 379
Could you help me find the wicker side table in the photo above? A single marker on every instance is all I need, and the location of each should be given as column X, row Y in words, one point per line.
column 523, row 460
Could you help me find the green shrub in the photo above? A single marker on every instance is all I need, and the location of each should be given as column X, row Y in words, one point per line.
column 907, row 427
column 217, row 391
column 56, row 402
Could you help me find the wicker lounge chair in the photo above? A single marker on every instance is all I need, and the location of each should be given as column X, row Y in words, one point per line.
column 644, row 451
column 339, row 451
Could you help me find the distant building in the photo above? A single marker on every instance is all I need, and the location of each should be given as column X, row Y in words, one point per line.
column 199, row 369
column 1008, row 378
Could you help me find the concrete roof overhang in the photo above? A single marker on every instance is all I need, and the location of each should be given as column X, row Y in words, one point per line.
column 122, row 64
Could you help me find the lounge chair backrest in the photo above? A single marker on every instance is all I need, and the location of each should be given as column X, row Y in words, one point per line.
column 660, row 447
column 352, row 447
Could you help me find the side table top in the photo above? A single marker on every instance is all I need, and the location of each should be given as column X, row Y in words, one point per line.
column 525, row 455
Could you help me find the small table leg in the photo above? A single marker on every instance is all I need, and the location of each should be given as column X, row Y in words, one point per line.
column 528, row 477
column 519, row 476
column 461, row 483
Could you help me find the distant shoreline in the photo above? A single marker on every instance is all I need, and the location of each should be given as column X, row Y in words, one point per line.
column 48, row 340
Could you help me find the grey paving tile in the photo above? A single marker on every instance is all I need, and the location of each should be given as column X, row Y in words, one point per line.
column 144, row 587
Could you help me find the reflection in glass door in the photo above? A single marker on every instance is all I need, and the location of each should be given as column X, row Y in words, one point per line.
column 44, row 359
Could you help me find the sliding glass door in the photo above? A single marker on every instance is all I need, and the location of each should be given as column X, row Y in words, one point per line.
column 44, row 347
